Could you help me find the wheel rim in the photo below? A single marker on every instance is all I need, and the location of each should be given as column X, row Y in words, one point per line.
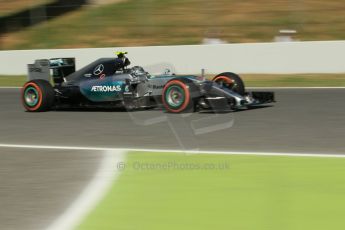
column 175, row 96
column 31, row 96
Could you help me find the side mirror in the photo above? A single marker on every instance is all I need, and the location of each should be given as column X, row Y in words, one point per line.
column 167, row 72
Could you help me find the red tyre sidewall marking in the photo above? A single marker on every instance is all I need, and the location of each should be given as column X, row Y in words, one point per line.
column 186, row 91
column 39, row 93
column 226, row 79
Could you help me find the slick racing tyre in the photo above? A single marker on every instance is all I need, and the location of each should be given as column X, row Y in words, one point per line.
column 179, row 95
column 38, row 96
column 231, row 81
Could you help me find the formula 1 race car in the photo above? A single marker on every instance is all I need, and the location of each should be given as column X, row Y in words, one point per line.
column 54, row 84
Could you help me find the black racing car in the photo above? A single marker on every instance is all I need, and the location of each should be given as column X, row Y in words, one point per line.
column 55, row 84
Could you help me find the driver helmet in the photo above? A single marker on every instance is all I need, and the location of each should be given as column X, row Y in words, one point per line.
column 120, row 54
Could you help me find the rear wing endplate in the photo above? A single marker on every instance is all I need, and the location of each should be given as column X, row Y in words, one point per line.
column 39, row 70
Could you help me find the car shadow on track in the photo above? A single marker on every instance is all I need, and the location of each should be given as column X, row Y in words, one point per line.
column 123, row 110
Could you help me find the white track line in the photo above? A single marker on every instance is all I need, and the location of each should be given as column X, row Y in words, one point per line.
column 291, row 154
column 106, row 175
column 92, row 194
column 311, row 87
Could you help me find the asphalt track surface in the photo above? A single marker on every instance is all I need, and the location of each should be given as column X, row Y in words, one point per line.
column 302, row 120
column 38, row 185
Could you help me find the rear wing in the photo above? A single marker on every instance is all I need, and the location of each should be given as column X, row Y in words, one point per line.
column 39, row 70
column 48, row 69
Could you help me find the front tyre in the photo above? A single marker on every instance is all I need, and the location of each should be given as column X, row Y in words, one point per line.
column 230, row 81
column 38, row 96
column 177, row 96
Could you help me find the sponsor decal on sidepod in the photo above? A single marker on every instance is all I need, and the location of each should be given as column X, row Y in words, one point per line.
column 106, row 88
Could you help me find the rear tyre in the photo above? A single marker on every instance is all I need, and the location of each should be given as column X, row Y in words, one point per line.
column 231, row 81
column 38, row 96
column 179, row 95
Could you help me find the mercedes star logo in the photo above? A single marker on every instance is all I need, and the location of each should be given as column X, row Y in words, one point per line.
column 99, row 69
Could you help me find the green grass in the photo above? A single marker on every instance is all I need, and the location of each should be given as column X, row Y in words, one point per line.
column 255, row 192
column 171, row 22
column 14, row 6
column 12, row 80
column 251, row 80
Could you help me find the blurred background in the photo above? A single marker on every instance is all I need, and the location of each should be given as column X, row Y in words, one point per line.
column 29, row 24
column 38, row 184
